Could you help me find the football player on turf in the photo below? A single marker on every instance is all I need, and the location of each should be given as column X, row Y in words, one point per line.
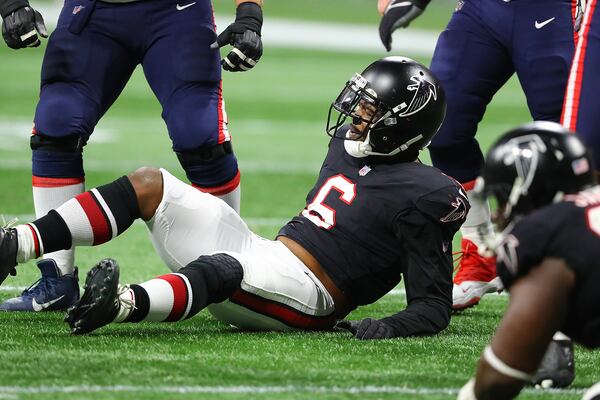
column 484, row 44
column 375, row 213
column 90, row 56
column 541, row 178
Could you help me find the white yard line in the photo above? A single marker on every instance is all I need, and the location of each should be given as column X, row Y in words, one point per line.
column 251, row 390
column 335, row 37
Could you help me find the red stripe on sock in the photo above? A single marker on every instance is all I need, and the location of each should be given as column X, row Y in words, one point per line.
column 180, row 296
column 36, row 241
column 223, row 189
column 280, row 312
column 39, row 181
column 99, row 224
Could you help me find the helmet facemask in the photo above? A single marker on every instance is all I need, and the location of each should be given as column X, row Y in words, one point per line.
column 384, row 124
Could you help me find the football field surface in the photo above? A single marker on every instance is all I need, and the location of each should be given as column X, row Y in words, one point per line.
column 277, row 118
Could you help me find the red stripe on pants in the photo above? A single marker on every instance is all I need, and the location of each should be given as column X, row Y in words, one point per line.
column 96, row 218
column 180, row 296
column 280, row 312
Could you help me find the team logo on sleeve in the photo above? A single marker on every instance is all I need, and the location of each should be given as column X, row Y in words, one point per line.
column 77, row 9
column 424, row 92
column 460, row 207
column 506, row 253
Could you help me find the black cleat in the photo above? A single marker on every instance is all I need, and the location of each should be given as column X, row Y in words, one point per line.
column 98, row 305
column 8, row 252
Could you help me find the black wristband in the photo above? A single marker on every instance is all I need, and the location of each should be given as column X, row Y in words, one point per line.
column 252, row 15
column 8, row 6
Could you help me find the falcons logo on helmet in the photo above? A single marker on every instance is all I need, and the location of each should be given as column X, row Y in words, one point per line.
column 424, row 91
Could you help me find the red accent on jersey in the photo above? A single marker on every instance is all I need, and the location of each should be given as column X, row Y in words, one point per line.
column 36, row 240
column 180, row 296
column 39, row 181
column 281, row 312
column 223, row 189
column 96, row 218
column 469, row 185
column 221, row 122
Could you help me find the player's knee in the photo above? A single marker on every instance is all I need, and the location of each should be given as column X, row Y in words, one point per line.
column 460, row 161
column 147, row 183
column 57, row 157
column 213, row 278
column 62, row 111
column 210, row 166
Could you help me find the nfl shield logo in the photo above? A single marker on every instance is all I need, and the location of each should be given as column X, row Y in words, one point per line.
column 364, row 170
column 77, row 9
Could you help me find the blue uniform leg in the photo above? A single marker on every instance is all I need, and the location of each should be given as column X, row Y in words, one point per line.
column 185, row 75
column 472, row 64
column 86, row 65
column 542, row 51
column 581, row 111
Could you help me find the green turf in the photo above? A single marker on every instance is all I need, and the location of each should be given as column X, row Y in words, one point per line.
column 277, row 114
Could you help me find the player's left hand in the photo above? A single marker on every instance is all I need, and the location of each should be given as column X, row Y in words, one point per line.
column 21, row 28
column 367, row 328
column 398, row 14
column 244, row 36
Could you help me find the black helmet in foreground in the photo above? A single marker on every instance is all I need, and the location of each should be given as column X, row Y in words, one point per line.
column 395, row 106
column 532, row 166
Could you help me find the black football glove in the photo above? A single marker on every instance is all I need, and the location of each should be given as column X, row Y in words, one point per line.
column 21, row 27
column 558, row 365
column 367, row 329
column 244, row 36
column 399, row 14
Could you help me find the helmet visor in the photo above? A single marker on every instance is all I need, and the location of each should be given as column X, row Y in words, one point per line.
column 359, row 104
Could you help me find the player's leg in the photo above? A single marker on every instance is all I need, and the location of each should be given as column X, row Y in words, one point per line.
column 581, row 112
column 82, row 74
column 185, row 75
column 472, row 63
column 542, row 53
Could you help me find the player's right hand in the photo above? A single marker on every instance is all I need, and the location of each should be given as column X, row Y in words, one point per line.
column 21, row 28
column 398, row 14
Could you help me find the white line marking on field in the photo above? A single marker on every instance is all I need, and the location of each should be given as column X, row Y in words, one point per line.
column 250, row 389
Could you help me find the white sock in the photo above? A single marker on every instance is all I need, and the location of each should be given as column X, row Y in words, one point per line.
column 29, row 244
column 478, row 224
column 233, row 198
column 48, row 197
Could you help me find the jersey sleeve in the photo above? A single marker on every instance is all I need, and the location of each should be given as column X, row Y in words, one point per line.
column 428, row 275
column 523, row 247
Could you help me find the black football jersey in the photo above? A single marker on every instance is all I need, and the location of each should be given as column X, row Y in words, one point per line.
column 368, row 224
column 569, row 230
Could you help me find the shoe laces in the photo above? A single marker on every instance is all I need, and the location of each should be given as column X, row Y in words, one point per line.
column 122, row 300
column 40, row 286
column 9, row 224
column 468, row 262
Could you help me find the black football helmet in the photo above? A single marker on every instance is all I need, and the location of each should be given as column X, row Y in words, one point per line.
column 532, row 166
column 407, row 106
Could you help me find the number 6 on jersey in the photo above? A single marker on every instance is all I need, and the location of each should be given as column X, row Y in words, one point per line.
column 318, row 212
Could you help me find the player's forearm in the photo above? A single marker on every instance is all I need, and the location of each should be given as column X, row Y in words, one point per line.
column 8, row 6
column 238, row 2
column 425, row 317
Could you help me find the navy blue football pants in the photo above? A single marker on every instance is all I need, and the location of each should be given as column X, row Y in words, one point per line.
column 485, row 42
column 581, row 111
column 91, row 56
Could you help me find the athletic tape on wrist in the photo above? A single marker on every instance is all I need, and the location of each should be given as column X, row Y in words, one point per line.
column 500, row 366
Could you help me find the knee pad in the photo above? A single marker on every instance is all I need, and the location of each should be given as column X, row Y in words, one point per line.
column 213, row 279
column 209, row 166
column 57, row 157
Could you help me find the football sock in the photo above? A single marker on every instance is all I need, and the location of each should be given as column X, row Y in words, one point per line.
column 48, row 194
column 89, row 219
column 478, row 224
column 232, row 198
column 177, row 296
